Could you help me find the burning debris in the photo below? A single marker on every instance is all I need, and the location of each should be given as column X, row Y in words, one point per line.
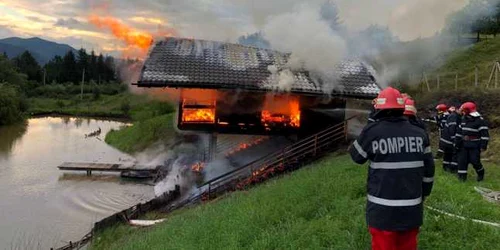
column 243, row 146
column 198, row 167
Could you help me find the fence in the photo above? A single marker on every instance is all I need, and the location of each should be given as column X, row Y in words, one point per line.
column 477, row 77
column 310, row 148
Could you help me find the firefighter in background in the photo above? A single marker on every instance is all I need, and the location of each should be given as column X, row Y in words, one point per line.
column 400, row 175
column 471, row 139
column 447, row 138
column 451, row 126
column 440, row 119
column 411, row 112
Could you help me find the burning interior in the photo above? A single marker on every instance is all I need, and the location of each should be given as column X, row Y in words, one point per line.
column 251, row 113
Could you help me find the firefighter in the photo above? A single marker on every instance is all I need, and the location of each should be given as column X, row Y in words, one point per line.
column 450, row 155
column 440, row 119
column 471, row 139
column 411, row 113
column 400, row 175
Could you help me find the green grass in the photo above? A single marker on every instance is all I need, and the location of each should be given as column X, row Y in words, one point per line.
column 463, row 61
column 152, row 118
column 141, row 107
column 321, row 206
column 142, row 134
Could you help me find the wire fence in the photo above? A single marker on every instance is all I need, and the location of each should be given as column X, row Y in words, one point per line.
column 480, row 76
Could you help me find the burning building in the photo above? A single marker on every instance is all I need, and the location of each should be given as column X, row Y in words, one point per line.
column 232, row 89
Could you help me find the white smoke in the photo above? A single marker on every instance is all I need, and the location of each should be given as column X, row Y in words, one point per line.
column 313, row 45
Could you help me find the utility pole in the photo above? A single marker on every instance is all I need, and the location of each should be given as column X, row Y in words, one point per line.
column 81, row 86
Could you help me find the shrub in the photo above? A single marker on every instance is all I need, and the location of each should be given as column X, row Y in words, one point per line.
column 10, row 105
column 125, row 106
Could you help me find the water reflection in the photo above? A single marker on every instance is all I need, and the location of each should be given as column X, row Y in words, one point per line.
column 37, row 199
column 9, row 136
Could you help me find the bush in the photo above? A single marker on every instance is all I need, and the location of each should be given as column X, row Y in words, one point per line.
column 10, row 105
column 125, row 106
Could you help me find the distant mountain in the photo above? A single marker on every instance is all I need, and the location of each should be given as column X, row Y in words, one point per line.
column 42, row 50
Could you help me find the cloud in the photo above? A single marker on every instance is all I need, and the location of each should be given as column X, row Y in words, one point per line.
column 224, row 20
column 68, row 22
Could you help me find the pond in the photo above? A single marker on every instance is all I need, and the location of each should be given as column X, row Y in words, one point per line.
column 43, row 207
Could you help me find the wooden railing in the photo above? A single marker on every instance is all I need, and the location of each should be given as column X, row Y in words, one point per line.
column 299, row 153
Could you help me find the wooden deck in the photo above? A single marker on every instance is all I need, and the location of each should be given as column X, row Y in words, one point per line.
column 103, row 167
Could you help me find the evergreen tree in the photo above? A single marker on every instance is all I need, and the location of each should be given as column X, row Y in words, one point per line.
column 54, row 70
column 69, row 68
column 83, row 62
column 93, row 72
column 5, row 55
column 110, row 68
column 101, row 68
column 27, row 64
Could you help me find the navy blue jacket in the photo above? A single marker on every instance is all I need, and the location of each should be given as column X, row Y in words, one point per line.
column 401, row 172
column 472, row 133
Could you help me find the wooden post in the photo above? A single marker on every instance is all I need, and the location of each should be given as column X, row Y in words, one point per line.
column 496, row 75
column 427, row 82
column 476, row 76
column 438, row 81
column 493, row 69
column 81, row 86
column 456, row 81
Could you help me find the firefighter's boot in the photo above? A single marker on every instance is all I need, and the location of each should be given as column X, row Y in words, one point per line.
column 480, row 175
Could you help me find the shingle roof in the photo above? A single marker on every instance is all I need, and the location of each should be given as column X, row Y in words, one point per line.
column 189, row 63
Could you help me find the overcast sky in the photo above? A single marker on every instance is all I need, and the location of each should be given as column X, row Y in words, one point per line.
column 66, row 21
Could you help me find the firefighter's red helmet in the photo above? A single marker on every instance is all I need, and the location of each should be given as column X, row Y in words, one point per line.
column 390, row 98
column 441, row 108
column 468, row 107
column 410, row 109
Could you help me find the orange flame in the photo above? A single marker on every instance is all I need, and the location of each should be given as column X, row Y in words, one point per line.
column 198, row 167
column 198, row 115
column 129, row 35
column 282, row 111
column 244, row 146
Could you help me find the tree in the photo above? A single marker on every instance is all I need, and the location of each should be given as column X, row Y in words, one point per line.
column 83, row 62
column 69, row 68
column 54, row 70
column 93, row 72
column 110, row 69
column 101, row 67
column 5, row 55
column 9, row 74
column 10, row 105
column 27, row 64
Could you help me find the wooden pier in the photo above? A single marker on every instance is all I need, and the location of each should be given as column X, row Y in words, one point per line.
column 102, row 167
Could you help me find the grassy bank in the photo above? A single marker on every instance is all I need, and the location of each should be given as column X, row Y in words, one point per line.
column 321, row 206
column 125, row 105
column 152, row 119
column 142, row 134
